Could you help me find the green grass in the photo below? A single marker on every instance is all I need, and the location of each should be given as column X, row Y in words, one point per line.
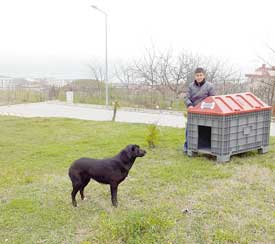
column 227, row 203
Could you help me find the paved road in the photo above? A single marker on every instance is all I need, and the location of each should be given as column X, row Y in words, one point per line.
column 98, row 113
column 91, row 112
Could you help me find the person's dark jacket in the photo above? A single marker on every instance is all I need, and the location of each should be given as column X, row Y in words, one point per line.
column 198, row 91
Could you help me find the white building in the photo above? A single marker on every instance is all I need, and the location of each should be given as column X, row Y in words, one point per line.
column 6, row 82
column 57, row 82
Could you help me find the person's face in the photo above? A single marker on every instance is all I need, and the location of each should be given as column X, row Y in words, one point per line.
column 199, row 77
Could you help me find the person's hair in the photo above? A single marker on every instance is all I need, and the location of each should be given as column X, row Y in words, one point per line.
column 199, row 70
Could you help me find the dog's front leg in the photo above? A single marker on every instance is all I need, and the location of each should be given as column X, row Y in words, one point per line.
column 114, row 194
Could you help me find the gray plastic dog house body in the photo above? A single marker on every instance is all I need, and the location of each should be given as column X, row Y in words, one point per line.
column 230, row 124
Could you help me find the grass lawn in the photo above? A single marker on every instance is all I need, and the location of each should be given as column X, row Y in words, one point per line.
column 227, row 203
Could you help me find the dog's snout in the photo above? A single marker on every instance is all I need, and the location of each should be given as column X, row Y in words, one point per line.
column 142, row 152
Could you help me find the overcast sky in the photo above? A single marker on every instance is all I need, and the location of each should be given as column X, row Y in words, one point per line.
column 59, row 37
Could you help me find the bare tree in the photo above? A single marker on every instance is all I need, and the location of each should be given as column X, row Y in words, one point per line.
column 125, row 74
column 163, row 77
column 164, row 72
column 225, row 76
column 147, row 70
column 97, row 73
column 176, row 72
column 267, row 87
column 147, row 67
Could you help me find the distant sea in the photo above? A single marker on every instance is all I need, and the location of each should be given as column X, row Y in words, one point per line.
column 48, row 69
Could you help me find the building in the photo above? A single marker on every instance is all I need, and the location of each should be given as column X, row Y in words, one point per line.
column 6, row 82
column 262, row 74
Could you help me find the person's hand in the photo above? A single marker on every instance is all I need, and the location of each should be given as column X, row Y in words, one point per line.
column 191, row 106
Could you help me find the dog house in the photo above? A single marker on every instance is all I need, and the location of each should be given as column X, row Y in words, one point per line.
column 229, row 124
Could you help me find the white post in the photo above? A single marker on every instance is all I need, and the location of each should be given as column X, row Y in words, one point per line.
column 70, row 97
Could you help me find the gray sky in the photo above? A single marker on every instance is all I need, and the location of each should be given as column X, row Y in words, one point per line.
column 58, row 37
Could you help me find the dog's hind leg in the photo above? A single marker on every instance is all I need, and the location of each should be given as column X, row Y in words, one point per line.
column 113, row 188
column 76, row 187
column 85, row 183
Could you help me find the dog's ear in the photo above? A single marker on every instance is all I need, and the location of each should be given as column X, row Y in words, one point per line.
column 124, row 155
column 131, row 149
column 134, row 147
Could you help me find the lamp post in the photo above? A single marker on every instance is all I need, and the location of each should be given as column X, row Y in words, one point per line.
column 106, row 54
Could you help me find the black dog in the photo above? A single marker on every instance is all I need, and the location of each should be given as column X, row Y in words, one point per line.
column 110, row 171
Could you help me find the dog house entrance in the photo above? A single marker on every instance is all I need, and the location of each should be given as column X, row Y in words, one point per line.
column 204, row 139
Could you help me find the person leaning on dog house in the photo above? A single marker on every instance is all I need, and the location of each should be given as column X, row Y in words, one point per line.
column 198, row 90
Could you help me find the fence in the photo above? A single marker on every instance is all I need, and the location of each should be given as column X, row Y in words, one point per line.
column 143, row 97
column 140, row 96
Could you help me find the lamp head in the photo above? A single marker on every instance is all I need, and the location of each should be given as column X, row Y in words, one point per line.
column 93, row 6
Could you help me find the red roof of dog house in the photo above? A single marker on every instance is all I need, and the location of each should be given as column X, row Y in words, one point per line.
column 230, row 104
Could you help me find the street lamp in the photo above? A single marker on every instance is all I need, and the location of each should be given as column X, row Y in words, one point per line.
column 106, row 53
